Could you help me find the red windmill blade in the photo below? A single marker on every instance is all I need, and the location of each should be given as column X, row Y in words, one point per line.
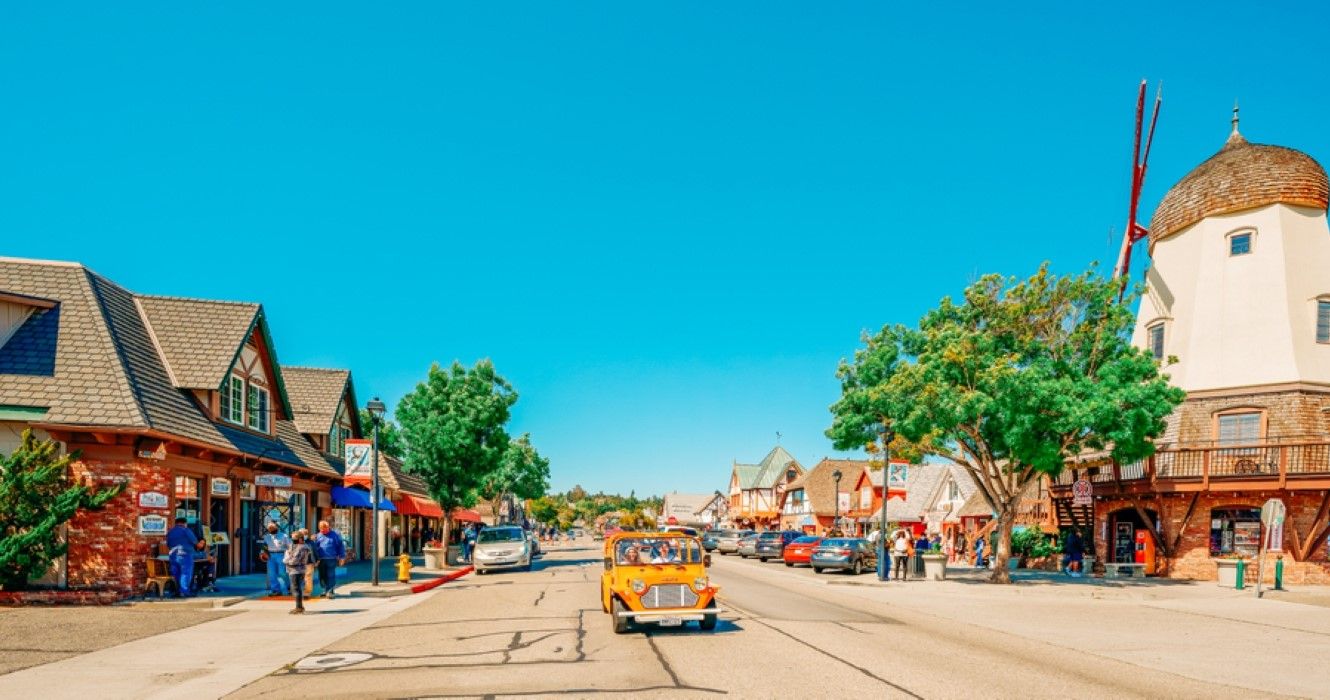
column 1135, row 231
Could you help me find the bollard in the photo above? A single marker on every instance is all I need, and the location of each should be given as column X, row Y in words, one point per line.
column 1279, row 573
column 1241, row 582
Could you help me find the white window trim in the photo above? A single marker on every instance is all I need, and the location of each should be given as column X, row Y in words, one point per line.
column 264, row 424
column 1251, row 245
column 231, row 379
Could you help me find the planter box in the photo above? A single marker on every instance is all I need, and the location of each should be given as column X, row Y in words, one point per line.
column 1228, row 572
column 935, row 567
column 1013, row 563
column 434, row 558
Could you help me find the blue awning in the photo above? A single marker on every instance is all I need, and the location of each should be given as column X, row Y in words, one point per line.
column 347, row 497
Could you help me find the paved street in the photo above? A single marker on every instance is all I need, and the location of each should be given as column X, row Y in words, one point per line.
column 789, row 633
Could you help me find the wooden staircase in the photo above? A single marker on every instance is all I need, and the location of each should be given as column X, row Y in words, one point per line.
column 1070, row 515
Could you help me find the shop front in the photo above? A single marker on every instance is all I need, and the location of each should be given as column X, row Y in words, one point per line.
column 417, row 520
column 351, row 515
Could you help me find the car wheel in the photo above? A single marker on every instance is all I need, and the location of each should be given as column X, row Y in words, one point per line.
column 621, row 624
column 789, row 564
column 817, row 569
column 708, row 622
column 762, row 559
column 858, row 566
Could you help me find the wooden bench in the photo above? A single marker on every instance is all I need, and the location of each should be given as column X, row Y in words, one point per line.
column 1113, row 570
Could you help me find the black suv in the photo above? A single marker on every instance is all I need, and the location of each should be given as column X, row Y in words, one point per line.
column 771, row 545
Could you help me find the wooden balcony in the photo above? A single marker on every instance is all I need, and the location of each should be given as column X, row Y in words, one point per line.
column 1294, row 466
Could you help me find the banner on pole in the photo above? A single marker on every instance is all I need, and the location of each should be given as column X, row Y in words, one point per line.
column 357, row 458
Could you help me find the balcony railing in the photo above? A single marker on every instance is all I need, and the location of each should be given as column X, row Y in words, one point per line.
column 1267, row 462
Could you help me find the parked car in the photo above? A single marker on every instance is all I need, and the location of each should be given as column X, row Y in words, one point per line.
column 658, row 578
column 748, row 546
column 852, row 553
column 800, row 550
column 505, row 547
column 709, row 540
column 727, row 541
column 771, row 545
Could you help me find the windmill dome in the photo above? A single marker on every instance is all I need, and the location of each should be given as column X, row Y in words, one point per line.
column 1240, row 176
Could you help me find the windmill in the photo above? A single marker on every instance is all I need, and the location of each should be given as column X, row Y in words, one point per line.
column 1139, row 159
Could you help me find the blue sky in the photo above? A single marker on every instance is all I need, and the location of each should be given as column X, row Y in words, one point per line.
column 665, row 222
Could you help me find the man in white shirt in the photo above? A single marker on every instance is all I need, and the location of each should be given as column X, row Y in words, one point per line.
column 275, row 544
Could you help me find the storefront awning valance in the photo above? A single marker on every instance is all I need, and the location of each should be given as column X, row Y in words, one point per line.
column 347, row 497
column 418, row 505
column 462, row 515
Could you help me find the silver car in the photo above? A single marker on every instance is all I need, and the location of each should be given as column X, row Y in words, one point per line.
column 501, row 548
column 727, row 541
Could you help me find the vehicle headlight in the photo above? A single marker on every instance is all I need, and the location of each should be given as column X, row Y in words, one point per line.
column 639, row 586
column 701, row 583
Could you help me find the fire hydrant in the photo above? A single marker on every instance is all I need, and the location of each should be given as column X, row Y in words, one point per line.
column 404, row 569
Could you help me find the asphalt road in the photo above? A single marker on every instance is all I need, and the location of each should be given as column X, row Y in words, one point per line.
column 787, row 633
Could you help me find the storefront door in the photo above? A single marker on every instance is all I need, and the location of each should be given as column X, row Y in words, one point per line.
column 219, row 521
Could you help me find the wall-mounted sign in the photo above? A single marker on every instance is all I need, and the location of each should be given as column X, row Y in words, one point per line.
column 152, row 525
column 153, row 499
column 247, row 490
column 275, row 480
column 357, row 458
column 1082, row 493
column 220, row 486
column 158, row 454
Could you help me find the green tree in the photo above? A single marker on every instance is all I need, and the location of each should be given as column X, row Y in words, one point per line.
column 36, row 498
column 1010, row 384
column 522, row 472
column 544, row 509
column 454, row 424
column 390, row 435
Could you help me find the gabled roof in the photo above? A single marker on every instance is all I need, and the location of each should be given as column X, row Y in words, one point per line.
column 767, row 473
column 920, row 483
column 316, row 394
column 747, row 474
column 104, row 368
column 198, row 338
column 819, row 483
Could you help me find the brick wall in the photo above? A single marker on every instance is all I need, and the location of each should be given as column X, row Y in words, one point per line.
column 1290, row 413
column 105, row 550
column 1192, row 558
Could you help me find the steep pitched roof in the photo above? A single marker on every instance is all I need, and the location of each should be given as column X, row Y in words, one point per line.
column 106, row 371
column 747, row 474
column 819, row 483
column 198, row 338
column 920, row 483
column 316, row 394
column 773, row 467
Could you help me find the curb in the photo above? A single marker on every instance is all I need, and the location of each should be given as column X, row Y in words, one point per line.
column 417, row 588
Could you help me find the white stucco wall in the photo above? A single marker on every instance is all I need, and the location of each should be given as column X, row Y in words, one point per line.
column 1246, row 320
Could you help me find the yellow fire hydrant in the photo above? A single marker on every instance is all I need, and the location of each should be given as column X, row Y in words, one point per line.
column 404, row 569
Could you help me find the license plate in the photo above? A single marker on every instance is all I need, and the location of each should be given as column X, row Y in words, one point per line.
column 670, row 621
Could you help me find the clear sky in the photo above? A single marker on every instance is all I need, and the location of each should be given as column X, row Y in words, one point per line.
column 664, row 222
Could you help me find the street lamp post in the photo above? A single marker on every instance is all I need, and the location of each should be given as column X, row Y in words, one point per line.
column 882, row 533
column 835, row 519
column 376, row 411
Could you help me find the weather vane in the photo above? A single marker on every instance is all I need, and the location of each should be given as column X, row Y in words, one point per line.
column 778, row 436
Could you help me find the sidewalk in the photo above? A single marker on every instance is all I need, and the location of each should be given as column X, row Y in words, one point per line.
column 235, row 589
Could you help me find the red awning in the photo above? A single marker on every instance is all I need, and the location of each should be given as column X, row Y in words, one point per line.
column 462, row 515
column 417, row 505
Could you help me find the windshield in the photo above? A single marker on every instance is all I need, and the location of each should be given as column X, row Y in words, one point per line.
column 500, row 534
column 838, row 543
column 806, row 540
column 653, row 550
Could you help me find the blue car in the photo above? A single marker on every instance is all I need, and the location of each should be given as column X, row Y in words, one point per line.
column 853, row 554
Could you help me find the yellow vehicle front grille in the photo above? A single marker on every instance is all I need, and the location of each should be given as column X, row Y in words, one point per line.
column 673, row 595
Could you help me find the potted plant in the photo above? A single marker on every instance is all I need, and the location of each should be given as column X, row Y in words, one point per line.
column 1230, row 567
column 935, row 563
column 434, row 552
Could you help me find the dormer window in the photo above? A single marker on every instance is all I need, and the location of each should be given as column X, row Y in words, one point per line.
column 1239, row 243
column 258, row 408
column 233, row 400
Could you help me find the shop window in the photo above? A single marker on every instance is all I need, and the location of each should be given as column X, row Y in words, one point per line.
column 1239, row 428
column 258, row 408
column 1235, row 531
column 296, row 499
column 189, row 499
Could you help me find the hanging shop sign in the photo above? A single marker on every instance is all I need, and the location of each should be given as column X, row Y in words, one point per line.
column 153, row 499
column 898, row 476
column 275, row 480
column 357, row 458
column 1082, row 493
column 221, row 486
column 247, row 490
column 152, row 525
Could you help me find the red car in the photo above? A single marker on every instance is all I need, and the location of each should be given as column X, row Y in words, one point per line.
column 799, row 551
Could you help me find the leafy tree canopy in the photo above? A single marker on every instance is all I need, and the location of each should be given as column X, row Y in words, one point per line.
column 1010, row 383
column 390, row 435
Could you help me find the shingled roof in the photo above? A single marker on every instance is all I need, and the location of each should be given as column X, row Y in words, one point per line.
column 922, row 483
column 103, row 368
column 819, row 483
column 767, row 473
column 315, row 395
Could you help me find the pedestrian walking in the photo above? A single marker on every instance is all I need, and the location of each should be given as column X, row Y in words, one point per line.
column 275, row 544
column 330, row 551
column 900, row 555
column 468, row 542
column 979, row 552
column 1073, row 552
column 180, row 544
column 297, row 561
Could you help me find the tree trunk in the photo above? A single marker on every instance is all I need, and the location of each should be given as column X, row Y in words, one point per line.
column 1000, row 541
column 447, row 525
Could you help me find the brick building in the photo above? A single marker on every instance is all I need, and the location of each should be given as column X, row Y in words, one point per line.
column 1238, row 308
column 182, row 400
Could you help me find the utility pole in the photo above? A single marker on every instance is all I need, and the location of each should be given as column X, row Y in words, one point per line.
column 882, row 533
column 376, row 411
